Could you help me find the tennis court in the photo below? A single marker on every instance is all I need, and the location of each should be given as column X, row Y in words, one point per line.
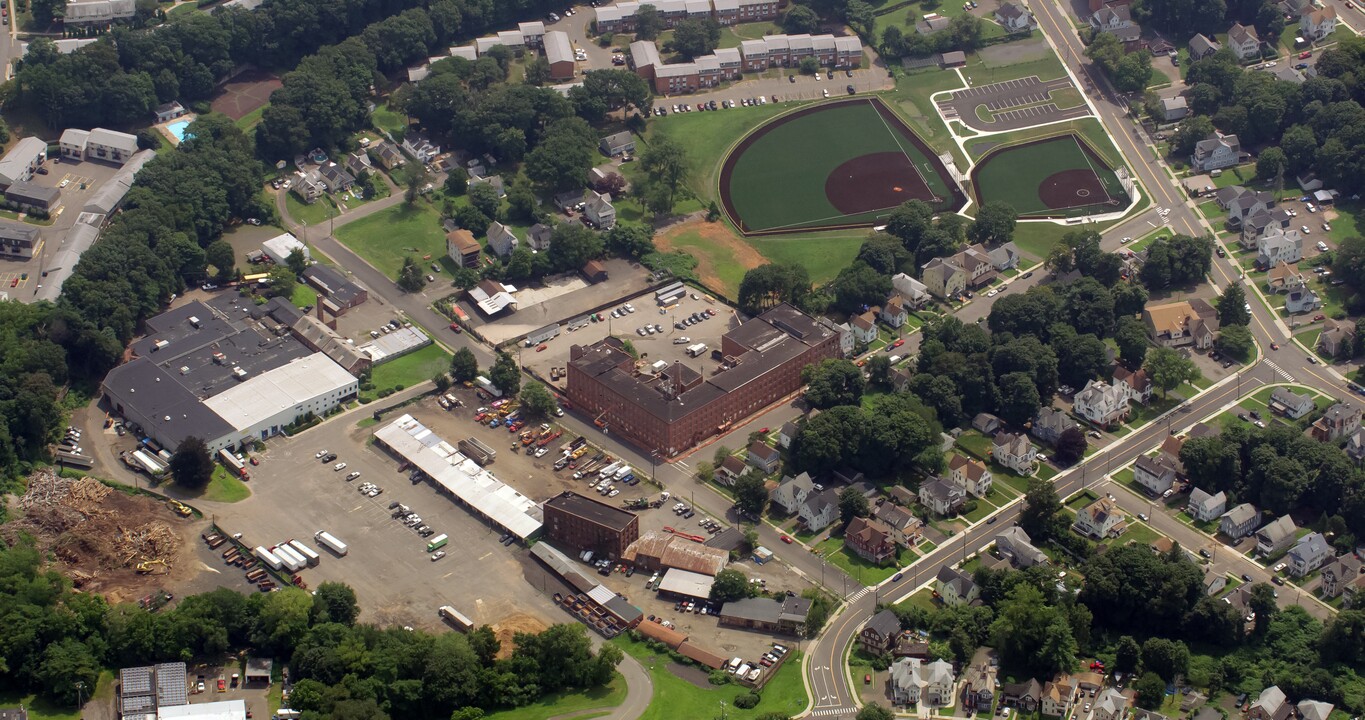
column 1054, row 177
column 835, row 165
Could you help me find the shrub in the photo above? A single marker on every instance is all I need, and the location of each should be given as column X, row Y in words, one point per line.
column 746, row 701
column 718, row 677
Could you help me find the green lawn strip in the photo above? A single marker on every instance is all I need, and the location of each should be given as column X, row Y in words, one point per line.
column 568, row 703
column 224, row 488
column 1142, row 414
column 1145, row 240
column 251, row 119
column 386, row 118
column 409, row 370
column 727, row 267
column 1019, row 484
column 1045, row 471
column 303, row 296
column 677, row 699
column 1344, row 224
column 1080, row 500
column 1038, row 238
column 315, row 214
column 822, row 254
column 182, row 9
column 1138, row 533
column 386, row 237
column 833, row 550
column 983, row 508
column 923, row 598
column 911, row 101
column 1045, row 68
column 975, row 444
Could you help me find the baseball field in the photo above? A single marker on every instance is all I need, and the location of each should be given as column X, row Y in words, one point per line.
column 842, row 164
column 1049, row 178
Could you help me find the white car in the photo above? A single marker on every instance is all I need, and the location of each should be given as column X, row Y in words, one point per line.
column 992, row 293
column 438, row 555
column 1327, row 227
column 1125, row 241
column 826, row 92
column 338, row 467
column 353, row 476
column 319, row 454
column 1305, row 230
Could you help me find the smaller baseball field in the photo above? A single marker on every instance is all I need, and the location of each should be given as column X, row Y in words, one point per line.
column 1050, row 178
column 841, row 164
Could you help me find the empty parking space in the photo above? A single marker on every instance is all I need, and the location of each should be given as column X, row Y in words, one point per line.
column 1011, row 105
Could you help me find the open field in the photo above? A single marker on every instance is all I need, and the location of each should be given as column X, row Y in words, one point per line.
column 576, row 704
column 906, row 17
column 857, row 162
column 707, row 136
column 247, row 93
column 911, row 101
column 675, row 698
column 224, row 488
column 411, row 369
column 386, row 237
column 1046, row 178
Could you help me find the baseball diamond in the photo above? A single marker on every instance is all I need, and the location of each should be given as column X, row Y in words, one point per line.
column 841, row 164
column 1049, row 178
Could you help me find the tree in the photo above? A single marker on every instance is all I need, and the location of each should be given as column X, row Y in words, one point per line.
column 1019, row 399
column 800, row 20
column 572, row 245
column 281, row 281
column 537, row 71
column 67, row 666
column 442, row 381
column 1235, row 341
column 1168, row 369
column 874, row 711
column 809, row 65
column 648, row 23
column 1263, row 604
column 505, row 374
column 1232, row 307
column 484, row 197
column 627, row 239
column 457, row 182
column 994, row 224
column 1167, row 658
column 563, row 157
column 859, row 285
column 730, row 585
column 1151, row 691
column 1127, row 655
column 770, row 285
column 335, row 602
column 665, row 167
column 191, row 465
column 410, row 276
column 296, row 261
column 852, row 503
column 537, row 402
column 1041, row 517
column 1070, row 446
column 750, row 495
column 695, row 37
column 220, row 255
column 1133, row 73
column 1271, row 165
column 418, row 178
column 463, row 365
column 1131, row 338
column 835, row 381
column 1190, row 131
column 1032, row 634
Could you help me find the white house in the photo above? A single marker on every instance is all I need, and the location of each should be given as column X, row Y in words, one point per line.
column 1276, row 535
column 941, row 497
column 1134, row 383
column 970, row 475
column 22, row 161
column 819, row 509
column 1101, row 403
column 1205, row 507
column 1111, row 17
column 893, row 313
column 1100, row 519
column 1013, row 18
column 1243, row 42
column 864, row 327
column 1014, row 451
column 1318, row 24
column 1216, row 152
column 955, row 587
column 501, row 239
column 599, row 210
column 787, row 434
column 1278, row 245
column 1015, row 544
column 1301, row 301
column 1294, row 405
column 914, row 292
column 1156, row 474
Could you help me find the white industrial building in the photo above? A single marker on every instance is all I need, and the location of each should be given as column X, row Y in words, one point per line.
column 280, row 247
column 474, row 487
column 221, row 710
column 262, row 406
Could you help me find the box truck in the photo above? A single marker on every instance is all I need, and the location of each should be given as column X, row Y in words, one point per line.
column 438, row 542
column 456, row 618
column 696, row 350
column 330, row 542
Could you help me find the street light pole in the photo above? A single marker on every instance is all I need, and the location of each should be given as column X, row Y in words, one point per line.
column 80, row 687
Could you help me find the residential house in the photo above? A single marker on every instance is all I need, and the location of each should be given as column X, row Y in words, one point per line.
column 914, row 293
column 1088, row 682
column 1004, row 257
column 1111, row 704
column 1215, row 152
column 1202, row 47
column 904, row 681
column 879, row 634
column 1100, row 519
column 388, row 155
column 1049, row 424
column 938, row 684
column 932, row 23
column 893, row 313
column 309, row 187
column 1308, row 554
column 1318, row 24
column 1338, row 572
column 1205, row 507
column 941, row 497
column 786, row 434
column 905, row 527
column 1302, row 301
column 559, row 54
column 1014, row 451
column 819, row 509
column 29, row 196
column 1275, row 536
column 1278, row 245
column 1102, row 404
column 1058, row 696
column 978, row 688
column 1339, row 421
column 1296, row 8
column 1240, row 203
column 620, row 143
column 1243, row 42
column 979, row 265
column 730, row 469
column 420, row 148
column 910, row 645
column 970, row 475
column 1155, row 474
column 1284, row 278
column 1240, row 521
column 1355, row 446
column 167, row 112
column 1027, row 696
column 944, row 277
column 865, row 326
column 1337, row 339
column 493, row 181
column 1353, row 596
column 532, row 33
column 986, row 423
column 1111, row 17
column 764, row 458
column 1186, row 322
column 1134, row 383
column 1271, row 705
column 336, row 177
column 1214, row 584
column 792, row 492
column 1018, row 547
column 501, row 240
column 599, row 211
column 1259, row 223
column 357, row 163
column 955, row 587
column 539, row 237
column 1314, row 710
column 1175, row 108
column 1014, row 18
column 463, row 248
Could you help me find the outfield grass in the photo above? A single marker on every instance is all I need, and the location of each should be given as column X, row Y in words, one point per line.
column 576, row 704
column 822, row 254
column 707, row 137
column 678, row 699
column 773, row 186
column 911, row 101
column 1016, row 175
column 409, row 370
column 224, row 488
column 387, row 236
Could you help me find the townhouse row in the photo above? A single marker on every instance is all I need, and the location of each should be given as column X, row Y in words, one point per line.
column 621, row 17
column 751, row 56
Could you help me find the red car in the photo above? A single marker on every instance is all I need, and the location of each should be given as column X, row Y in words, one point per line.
column 1274, row 346
column 786, row 539
column 899, row 342
column 1305, row 54
column 456, row 327
column 763, row 431
column 542, row 347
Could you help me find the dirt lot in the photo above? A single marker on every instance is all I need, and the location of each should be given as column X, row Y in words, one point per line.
column 711, row 234
column 245, row 93
column 99, row 535
column 663, row 345
column 541, row 306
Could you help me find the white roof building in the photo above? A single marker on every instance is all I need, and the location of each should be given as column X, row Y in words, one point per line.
column 280, row 247
column 276, row 397
column 221, row 710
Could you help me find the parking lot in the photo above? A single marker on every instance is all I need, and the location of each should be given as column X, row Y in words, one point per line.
column 560, row 300
column 668, row 342
column 1028, row 94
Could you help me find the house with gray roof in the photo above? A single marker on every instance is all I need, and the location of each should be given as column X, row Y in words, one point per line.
column 1205, row 507
column 1240, row 521
column 1049, row 424
column 1314, row 709
column 1202, row 47
column 792, row 492
column 501, row 240
column 1155, row 474
column 819, row 509
column 1018, row 547
column 1275, row 536
column 1243, row 42
column 942, row 497
column 955, row 587
column 1309, row 554
column 880, row 633
column 1215, row 152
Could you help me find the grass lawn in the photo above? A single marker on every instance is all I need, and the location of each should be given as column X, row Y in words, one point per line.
column 251, row 119
column 182, row 9
column 1020, row 484
column 707, row 137
column 911, row 101
column 1016, row 175
column 42, row 709
column 386, row 237
column 906, row 17
column 410, row 369
column 303, row 296
column 979, row 73
column 678, row 699
column 857, row 568
column 1045, row 471
column 1038, row 238
column 773, row 187
column 1080, row 500
column 568, row 703
column 224, row 488
column 314, row 214
column 822, row 254
column 1344, row 223
column 1088, row 128
column 1138, row 533
column 386, row 118
column 975, row 444
column 732, row 36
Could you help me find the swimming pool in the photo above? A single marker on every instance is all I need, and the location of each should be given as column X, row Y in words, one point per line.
column 177, row 129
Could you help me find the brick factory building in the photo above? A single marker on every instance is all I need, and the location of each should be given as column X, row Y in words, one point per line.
column 580, row 523
column 680, row 406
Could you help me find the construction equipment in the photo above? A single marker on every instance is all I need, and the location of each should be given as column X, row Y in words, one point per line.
column 147, row 566
column 180, row 508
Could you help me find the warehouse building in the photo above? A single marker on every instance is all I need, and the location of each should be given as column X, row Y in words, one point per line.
column 659, row 551
column 580, row 523
column 675, row 409
column 144, row 692
column 339, row 292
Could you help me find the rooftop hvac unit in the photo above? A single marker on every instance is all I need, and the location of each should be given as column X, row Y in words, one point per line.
column 194, row 321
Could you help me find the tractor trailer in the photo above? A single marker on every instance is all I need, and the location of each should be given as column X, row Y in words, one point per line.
column 331, row 542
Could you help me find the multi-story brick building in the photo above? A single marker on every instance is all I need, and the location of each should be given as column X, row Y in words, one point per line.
column 581, row 523
column 674, row 409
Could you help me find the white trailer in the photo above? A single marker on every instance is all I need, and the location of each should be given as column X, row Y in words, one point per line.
column 149, row 463
column 310, row 556
column 610, row 470
column 330, row 541
column 696, row 350
column 624, row 471
column 289, row 557
column 269, row 558
column 488, row 386
column 456, row 618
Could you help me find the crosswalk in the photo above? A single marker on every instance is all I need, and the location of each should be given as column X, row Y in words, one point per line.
column 855, row 596
column 1278, row 369
column 827, row 712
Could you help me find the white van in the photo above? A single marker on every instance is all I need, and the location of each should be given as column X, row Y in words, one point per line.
column 733, row 665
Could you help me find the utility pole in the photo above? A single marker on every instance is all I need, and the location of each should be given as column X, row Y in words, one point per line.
column 80, row 687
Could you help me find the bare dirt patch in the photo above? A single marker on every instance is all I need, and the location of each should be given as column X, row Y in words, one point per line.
column 723, row 244
column 507, row 628
column 245, row 93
